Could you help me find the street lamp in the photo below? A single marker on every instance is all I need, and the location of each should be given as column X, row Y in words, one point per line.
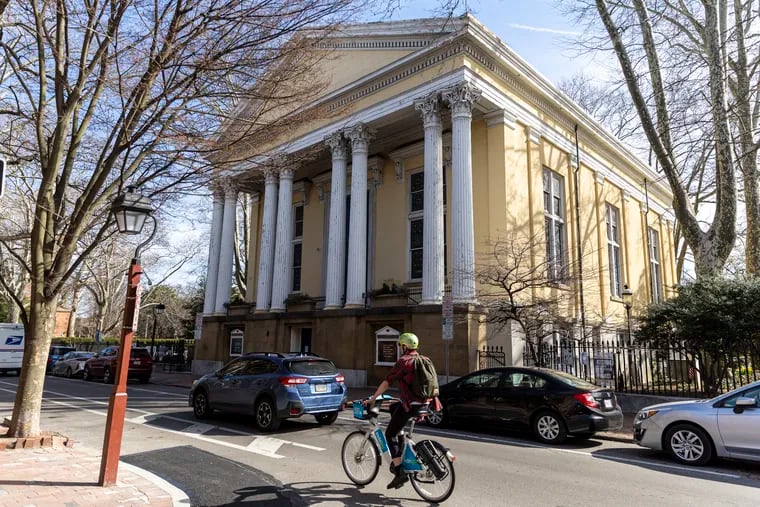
column 130, row 210
column 627, row 302
column 157, row 310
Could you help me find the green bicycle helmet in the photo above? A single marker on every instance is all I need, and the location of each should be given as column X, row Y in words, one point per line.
column 409, row 340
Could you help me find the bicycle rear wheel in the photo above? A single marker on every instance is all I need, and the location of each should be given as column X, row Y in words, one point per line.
column 360, row 457
column 431, row 487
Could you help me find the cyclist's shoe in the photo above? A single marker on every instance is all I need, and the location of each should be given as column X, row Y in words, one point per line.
column 399, row 480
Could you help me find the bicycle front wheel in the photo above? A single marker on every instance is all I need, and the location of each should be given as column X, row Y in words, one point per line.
column 360, row 457
column 436, row 483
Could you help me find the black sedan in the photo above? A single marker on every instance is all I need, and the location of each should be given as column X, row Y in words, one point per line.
column 552, row 404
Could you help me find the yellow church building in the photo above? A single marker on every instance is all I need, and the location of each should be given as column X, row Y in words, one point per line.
column 442, row 141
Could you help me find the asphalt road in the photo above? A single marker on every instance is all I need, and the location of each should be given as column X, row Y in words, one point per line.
column 225, row 461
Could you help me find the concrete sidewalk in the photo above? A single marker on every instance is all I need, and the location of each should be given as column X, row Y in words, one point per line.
column 68, row 476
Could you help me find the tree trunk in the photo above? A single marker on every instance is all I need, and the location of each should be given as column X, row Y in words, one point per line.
column 38, row 336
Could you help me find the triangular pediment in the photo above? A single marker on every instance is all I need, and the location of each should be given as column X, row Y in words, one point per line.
column 387, row 331
column 359, row 51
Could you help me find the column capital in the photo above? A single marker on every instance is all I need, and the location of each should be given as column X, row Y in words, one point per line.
column 270, row 175
column 337, row 144
column 626, row 195
column 461, row 97
column 360, row 136
column 229, row 186
column 287, row 173
column 428, row 106
column 375, row 171
column 599, row 177
column 644, row 208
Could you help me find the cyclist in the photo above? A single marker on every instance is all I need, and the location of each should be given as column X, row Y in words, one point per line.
column 402, row 412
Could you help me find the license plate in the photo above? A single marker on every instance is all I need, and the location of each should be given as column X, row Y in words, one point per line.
column 320, row 388
column 607, row 403
column 136, row 362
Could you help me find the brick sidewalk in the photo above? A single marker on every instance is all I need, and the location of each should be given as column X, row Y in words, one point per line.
column 54, row 476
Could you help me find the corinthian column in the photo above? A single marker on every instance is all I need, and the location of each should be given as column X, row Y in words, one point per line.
column 215, row 243
column 224, row 279
column 336, row 253
column 432, row 260
column 266, row 253
column 460, row 99
column 283, row 254
column 357, row 231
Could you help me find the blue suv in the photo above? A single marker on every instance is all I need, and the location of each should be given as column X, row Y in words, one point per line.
column 272, row 386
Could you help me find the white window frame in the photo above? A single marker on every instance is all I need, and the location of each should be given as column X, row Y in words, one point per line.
column 236, row 335
column 556, row 261
column 614, row 258
column 655, row 266
column 386, row 335
column 413, row 216
column 297, row 240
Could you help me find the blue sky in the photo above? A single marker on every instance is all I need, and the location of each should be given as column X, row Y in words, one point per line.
column 535, row 29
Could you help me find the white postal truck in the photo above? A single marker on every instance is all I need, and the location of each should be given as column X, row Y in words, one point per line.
column 11, row 348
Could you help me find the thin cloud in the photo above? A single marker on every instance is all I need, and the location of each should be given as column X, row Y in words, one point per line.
column 540, row 29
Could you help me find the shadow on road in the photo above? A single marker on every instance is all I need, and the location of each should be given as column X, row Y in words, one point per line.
column 725, row 471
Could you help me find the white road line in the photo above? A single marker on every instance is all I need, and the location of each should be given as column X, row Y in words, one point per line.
column 265, row 445
column 146, row 417
column 198, row 428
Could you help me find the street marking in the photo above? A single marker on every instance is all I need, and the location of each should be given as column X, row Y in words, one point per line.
column 265, row 445
column 198, row 428
column 191, row 431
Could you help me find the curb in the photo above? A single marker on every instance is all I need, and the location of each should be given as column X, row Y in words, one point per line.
column 179, row 497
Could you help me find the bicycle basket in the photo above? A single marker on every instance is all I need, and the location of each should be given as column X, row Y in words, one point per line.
column 359, row 411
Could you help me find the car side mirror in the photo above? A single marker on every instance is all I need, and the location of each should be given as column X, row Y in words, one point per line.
column 744, row 402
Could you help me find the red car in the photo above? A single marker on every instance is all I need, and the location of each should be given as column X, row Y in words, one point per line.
column 103, row 365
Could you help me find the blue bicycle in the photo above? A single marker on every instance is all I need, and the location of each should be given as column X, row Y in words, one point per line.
column 429, row 464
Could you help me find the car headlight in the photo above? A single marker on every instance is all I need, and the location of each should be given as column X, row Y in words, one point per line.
column 645, row 414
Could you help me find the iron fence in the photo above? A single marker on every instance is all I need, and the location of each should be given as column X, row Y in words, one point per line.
column 643, row 370
column 171, row 355
column 491, row 357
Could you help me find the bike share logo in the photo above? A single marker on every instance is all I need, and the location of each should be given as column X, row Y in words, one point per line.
column 14, row 340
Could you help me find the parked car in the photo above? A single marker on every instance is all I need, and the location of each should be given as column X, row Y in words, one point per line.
column 72, row 363
column 551, row 404
column 56, row 353
column 696, row 431
column 272, row 387
column 103, row 365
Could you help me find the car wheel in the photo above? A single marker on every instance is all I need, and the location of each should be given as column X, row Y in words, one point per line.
column 689, row 445
column 67, row 373
column 549, row 428
column 86, row 374
column 107, row 377
column 437, row 418
column 326, row 418
column 201, row 407
column 266, row 415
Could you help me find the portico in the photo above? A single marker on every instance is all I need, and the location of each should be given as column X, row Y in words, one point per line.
column 425, row 158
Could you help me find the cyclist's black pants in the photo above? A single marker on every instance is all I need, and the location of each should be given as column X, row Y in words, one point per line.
column 399, row 418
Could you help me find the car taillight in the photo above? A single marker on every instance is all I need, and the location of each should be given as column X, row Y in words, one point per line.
column 340, row 378
column 291, row 381
column 586, row 399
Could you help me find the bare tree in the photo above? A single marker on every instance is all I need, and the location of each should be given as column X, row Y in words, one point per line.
column 520, row 287
column 681, row 62
column 106, row 94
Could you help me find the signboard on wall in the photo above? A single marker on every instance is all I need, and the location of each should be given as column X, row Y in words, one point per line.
column 447, row 318
column 236, row 342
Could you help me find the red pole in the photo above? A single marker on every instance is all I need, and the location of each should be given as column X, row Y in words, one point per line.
column 117, row 404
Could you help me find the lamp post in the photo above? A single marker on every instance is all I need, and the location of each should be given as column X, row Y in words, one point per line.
column 157, row 310
column 627, row 302
column 130, row 210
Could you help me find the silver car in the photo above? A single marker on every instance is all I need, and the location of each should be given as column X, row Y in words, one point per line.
column 72, row 364
column 694, row 432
